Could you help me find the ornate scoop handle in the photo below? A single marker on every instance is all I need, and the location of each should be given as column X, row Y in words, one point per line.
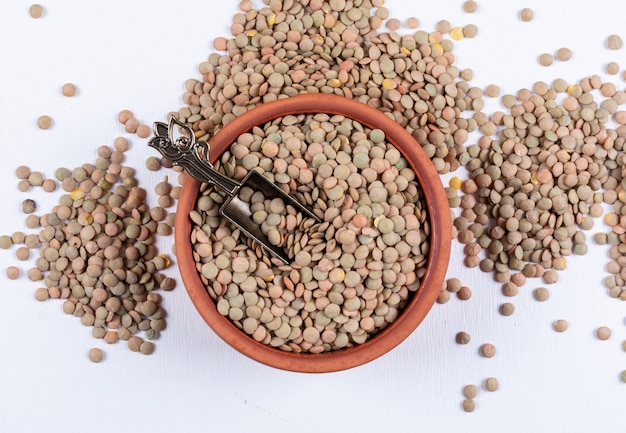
column 186, row 152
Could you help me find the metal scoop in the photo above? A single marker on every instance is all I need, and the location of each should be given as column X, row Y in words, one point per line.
column 193, row 156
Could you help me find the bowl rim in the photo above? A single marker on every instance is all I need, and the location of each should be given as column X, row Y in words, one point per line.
column 420, row 303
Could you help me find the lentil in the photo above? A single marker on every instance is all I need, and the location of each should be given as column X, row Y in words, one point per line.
column 5, row 242
column 470, row 391
column 507, row 309
column 545, row 59
column 95, row 355
column 614, row 42
column 526, row 15
column 603, row 333
column 13, row 273
column 560, row 325
column 469, row 405
column 29, row 206
column 36, row 11
column 563, row 54
column 147, row 348
column 541, row 294
column 470, row 6
column 491, row 384
column 462, row 338
column 612, row 68
column 44, row 122
column 412, row 23
column 470, row 31
column 41, row 294
column 68, row 90
column 22, row 172
column 488, row 350
column 153, row 163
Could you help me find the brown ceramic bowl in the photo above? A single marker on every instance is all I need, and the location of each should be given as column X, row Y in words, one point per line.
column 420, row 302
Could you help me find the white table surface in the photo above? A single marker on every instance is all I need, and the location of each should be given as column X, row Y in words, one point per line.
column 137, row 55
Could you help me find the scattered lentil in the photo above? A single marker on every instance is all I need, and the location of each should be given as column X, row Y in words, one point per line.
column 36, row 11
column 44, row 122
column 470, row 31
column 6, row 242
column 492, row 91
column 507, row 309
column 95, row 355
column 68, row 90
column 153, row 163
column 41, row 294
column 560, row 325
column 545, row 59
column 469, row 405
column 541, row 294
column 412, row 23
column 470, row 391
column 147, row 348
column 614, row 42
column 470, row 6
column 13, row 273
column 143, row 131
column 464, row 293
column 563, row 54
column 22, row 253
column 393, row 24
column 612, row 68
column 462, row 337
column 526, row 15
column 22, row 172
column 491, row 384
column 487, row 350
column 29, row 206
column 603, row 333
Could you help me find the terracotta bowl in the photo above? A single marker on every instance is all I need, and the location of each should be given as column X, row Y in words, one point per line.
column 420, row 302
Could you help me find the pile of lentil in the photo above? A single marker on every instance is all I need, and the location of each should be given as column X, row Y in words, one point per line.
column 96, row 249
column 352, row 273
column 538, row 177
column 291, row 47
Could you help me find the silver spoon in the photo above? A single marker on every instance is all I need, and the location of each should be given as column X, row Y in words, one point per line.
column 193, row 156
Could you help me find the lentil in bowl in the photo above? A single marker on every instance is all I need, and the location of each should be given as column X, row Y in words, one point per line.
column 314, row 320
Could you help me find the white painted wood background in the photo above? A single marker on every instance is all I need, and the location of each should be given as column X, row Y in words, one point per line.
column 137, row 55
